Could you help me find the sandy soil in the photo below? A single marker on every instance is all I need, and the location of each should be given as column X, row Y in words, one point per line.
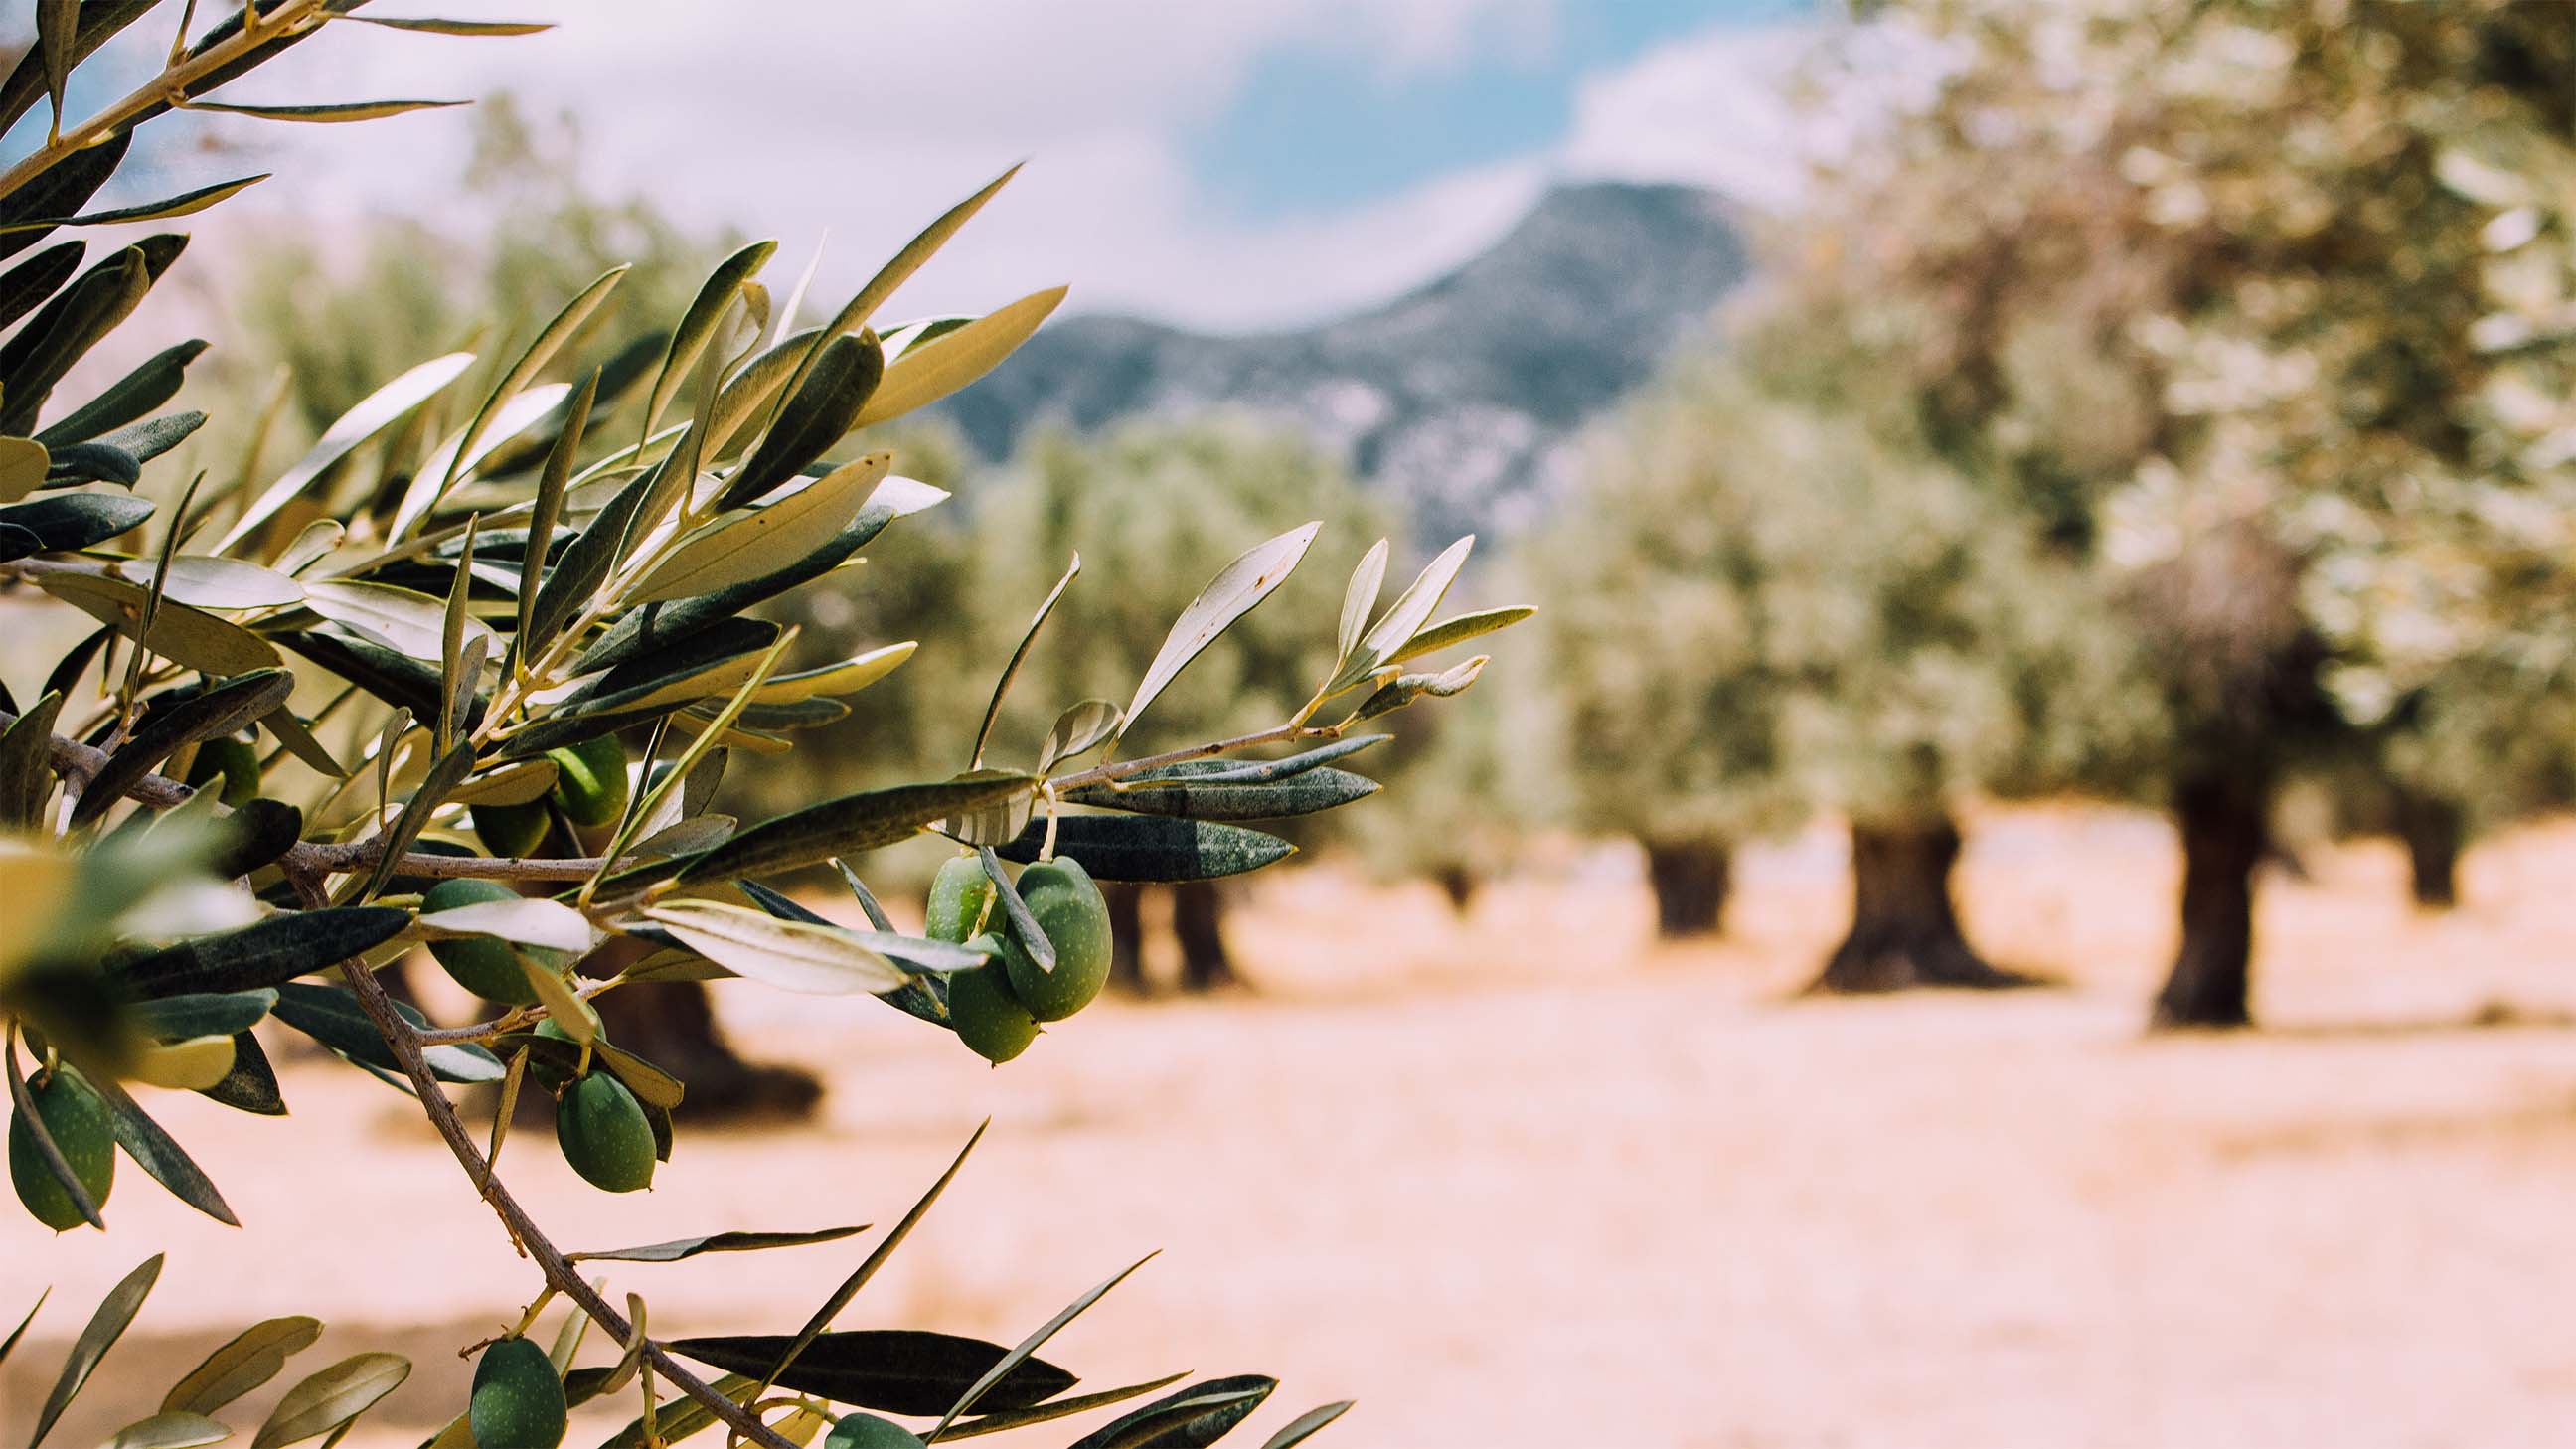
column 1530, row 1180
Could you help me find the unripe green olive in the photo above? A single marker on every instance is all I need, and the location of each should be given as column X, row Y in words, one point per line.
column 867, row 1431
column 986, row 1016
column 604, row 1134
column 84, row 1131
column 480, row 964
column 957, row 897
column 1069, row 908
column 235, row 761
column 511, row 831
column 592, row 786
column 518, row 1401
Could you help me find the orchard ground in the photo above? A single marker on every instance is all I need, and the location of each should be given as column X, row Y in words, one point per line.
column 1533, row 1180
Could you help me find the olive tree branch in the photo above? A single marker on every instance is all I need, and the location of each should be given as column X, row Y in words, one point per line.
column 168, row 87
column 404, row 1040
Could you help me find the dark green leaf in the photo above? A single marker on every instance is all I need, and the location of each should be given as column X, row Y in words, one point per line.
column 72, row 521
column 137, row 393
column 1153, row 848
column 849, row 825
column 99, row 20
column 65, row 187
column 217, row 711
column 37, row 278
column 527, row 644
column 73, row 464
column 893, row 1371
column 395, row 678
column 203, row 1013
column 454, row 27
column 255, row 836
column 158, row 1154
column 186, row 203
column 585, row 563
column 1190, row 1419
column 337, row 112
column 332, row 1016
column 269, row 953
column 1308, row 793
column 822, row 410
column 679, row 1248
column 636, row 680
column 105, row 1326
column 1032, row 937
column 252, row 1084
column 60, row 335
column 656, row 627
column 149, row 439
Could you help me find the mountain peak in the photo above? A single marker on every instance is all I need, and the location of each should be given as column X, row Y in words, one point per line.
column 1462, row 397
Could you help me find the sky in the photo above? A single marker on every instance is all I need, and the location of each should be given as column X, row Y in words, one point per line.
column 1229, row 164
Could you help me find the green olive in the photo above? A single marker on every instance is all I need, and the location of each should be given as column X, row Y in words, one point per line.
column 511, row 831
column 867, row 1431
column 957, row 897
column 518, row 1401
column 1069, row 908
column 233, row 759
column 486, row 967
column 592, row 786
column 986, row 1016
column 84, row 1131
column 604, row 1134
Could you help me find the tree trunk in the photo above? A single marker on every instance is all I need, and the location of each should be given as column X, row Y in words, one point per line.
column 1691, row 881
column 1126, row 935
column 1458, row 884
column 2432, row 829
column 672, row 1024
column 1905, row 929
column 1198, row 920
column 2224, row 817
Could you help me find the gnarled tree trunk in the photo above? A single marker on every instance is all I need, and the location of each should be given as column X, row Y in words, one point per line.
column 1126, row 935
column 2433, row 831
column 2223, row 814
column 1905, row 928
column 1691, row 879
column 672, row 1024
column 1198, row 921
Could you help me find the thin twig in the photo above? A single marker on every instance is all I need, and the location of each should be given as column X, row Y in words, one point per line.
column 560, row 1275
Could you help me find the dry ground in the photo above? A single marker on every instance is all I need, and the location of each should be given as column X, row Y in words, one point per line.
column 1532, row 1181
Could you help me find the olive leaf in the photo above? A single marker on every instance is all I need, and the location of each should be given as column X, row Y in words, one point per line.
column 1403, row 618
column 681, row 1248
column 1259, row 772
column 762, row 540
column 217, row 711
column 190, row 637
column 1233, row 593
column 26, row 763
column 266, row 954
column 1064, row 1408
column 790, row 955
column 933, row 370
column 1307, row 1425
column 331, row 1398
column 249, row 1359
column 892, row 1371
column 1011, row 670
column 849, row 825
column 1019, row 1354
column 1358, row 599
column 1190, row 1419
column 159, row 1155
column 1149, row 848
column 1449, row 633
column 697, row 326
column 1308, row 793
column 329, row 113
column 824, row 407
column 547, row 511
column 72, row 521
column 528, row 921
column 169, row 1431
column 374, row 413
column 207, row 582
column 105, row 1326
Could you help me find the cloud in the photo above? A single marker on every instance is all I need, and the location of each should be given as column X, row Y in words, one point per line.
column 797, row 118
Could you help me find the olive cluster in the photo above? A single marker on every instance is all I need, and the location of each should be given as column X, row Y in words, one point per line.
column 996, row 1007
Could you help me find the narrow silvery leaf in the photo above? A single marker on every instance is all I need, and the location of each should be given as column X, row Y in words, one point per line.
column 1010, row 670
column 937, row 368
column 1359, row 600
column 790, row 955
column 104, row 1328
column 1237, row 588
column 378, row 411
column 1080, row 729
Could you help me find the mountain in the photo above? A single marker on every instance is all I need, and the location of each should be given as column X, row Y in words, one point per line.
column 1461, row 399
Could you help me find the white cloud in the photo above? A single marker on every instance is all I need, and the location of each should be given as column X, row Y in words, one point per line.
column 795, row 118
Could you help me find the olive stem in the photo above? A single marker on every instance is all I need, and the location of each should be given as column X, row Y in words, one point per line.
column 404, row 1041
